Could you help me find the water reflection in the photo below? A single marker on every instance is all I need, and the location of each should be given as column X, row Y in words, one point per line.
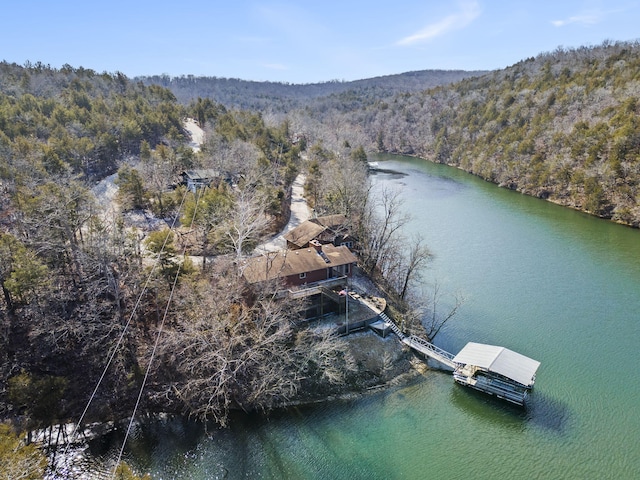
column 488, row 408
column 391, row 174
column 549, row 413
column 541, row 411
column 439, row 186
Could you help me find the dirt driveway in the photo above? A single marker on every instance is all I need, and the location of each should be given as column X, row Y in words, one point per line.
column 299, row 213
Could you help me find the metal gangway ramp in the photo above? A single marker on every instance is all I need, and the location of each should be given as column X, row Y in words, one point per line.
column 421, row 345
column 430, row 350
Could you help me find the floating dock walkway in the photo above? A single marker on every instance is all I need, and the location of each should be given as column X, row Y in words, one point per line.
column 490, row 369
column 420, row 344
column 430, row 350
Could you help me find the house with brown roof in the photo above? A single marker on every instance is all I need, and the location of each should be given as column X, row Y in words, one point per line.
column 326, row 229
column 302, row 266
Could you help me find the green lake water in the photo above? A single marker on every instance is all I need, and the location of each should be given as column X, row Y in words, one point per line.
column 548, row 282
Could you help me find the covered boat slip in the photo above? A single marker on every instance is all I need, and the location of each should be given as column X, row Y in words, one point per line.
column 495, row 370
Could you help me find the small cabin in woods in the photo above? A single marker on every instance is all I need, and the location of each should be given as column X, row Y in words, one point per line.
column 201, row 178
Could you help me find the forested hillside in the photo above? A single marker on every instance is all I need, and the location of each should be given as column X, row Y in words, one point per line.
column 79, row 121
column 81, row 274
column 284, row 97
column 96, row 284
column 563, row 126
column 84, row 284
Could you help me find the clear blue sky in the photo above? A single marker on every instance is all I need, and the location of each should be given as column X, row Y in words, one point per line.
column 303, row 41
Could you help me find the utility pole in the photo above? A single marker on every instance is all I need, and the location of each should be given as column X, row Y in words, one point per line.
column 347, row 309
column 345, row 292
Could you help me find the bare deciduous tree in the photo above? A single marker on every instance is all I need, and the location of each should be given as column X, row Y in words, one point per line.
column 379, row 230
column 248, row 221
column 424, row 313
column 159, row 171
column 228, row 353
column 347, row 187
column 417, row 257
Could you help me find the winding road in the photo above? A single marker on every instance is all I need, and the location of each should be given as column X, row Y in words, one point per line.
column 299, row 213
column 299, row 209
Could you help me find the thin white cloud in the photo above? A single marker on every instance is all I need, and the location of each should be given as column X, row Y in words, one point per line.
column 468, row 13
column 583, row 19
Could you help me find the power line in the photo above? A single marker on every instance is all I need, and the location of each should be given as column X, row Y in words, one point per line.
column 153, row 352
column 114, row 350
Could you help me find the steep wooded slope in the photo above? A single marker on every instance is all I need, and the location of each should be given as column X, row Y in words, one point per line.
column 562, row 126
column 78, row 121
column 82, row 286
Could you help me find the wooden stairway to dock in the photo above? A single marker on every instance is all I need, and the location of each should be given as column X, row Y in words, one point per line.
column 392, row 325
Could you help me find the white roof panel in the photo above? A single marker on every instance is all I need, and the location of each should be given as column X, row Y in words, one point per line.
column 500, row 360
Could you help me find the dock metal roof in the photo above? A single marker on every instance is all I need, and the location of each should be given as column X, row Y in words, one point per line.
column 499, row 360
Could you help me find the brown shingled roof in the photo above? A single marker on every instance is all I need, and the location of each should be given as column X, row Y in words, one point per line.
column 311, row 229
column 304, row 233
column 295, row 262
column 331, row 220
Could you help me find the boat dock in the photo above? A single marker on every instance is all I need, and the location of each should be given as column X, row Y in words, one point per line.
column 488, row 368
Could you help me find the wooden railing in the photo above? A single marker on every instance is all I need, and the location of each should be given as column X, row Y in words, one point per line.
column 322, row 286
